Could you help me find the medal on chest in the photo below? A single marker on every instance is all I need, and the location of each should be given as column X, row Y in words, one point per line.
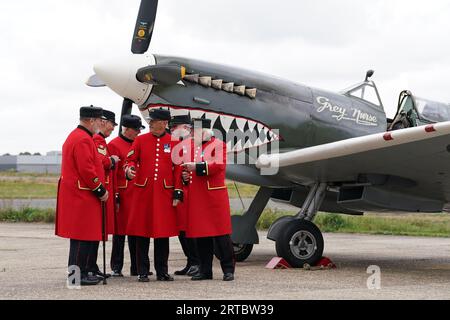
column 167, row 148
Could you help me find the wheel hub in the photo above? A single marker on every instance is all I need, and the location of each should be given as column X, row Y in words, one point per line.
column 303, row 245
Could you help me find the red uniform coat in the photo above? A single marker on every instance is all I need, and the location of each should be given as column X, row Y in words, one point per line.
column 182, row 208
column 110, row 183
column 182, row 211
column 208, row 203
column 120, row 146
column 78, row 208
column 152, row 214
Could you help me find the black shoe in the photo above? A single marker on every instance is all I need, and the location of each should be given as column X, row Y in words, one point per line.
column 117, row 274
column 182, row 272
column 164, row 277
column 201, row 276
column 134, row 274
column 101, row 275
column 193, row 270
column 228, row 277
column 143, row 278
column 89, row 280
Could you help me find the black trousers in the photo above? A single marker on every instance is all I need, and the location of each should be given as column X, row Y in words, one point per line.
column 117, row 254
column 224, row 251
column 190, row 250
column 161, row 255
column 93, row 266
column 83, row 254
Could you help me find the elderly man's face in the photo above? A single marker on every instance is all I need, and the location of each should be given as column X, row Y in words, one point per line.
column 181, row 131
column 158, row 127
column 132, row 133
column 96, row 125
column 108, row 128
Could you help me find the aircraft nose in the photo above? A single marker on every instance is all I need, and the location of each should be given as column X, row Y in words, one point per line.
column 120, row 76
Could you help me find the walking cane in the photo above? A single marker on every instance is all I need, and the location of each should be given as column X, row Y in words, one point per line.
column 104, row 240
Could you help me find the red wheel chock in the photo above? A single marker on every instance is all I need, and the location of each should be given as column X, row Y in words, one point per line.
column 278, row 263
column 324, row 263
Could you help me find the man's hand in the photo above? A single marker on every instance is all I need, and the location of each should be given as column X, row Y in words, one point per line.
column 105, row 197
column 189, row 166
column 131, row 173
column 175, row 202
column 185, row 176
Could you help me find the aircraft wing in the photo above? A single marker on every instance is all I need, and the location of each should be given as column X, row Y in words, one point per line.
column 413, row 161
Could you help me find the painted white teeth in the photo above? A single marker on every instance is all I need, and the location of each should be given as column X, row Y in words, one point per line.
column 177, row 112
column 251, row 125
column 260, row 127
column 212, row 116
column 265, row 135
column 226, row 122
column 241, row 123
column 196, row 114
column 238, row 146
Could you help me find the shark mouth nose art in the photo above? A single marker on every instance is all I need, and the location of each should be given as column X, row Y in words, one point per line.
column 238, row 132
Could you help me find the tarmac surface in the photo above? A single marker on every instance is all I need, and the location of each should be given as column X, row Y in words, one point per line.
column 33, row 266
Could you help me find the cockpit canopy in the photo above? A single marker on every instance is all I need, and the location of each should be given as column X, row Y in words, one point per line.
column 432, row 111
column 414, row 111
column 426, row 110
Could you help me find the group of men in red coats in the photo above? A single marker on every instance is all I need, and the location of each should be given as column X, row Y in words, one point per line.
column 155, row 185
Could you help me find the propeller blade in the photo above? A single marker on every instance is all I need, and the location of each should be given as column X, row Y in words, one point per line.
column 144, row 26
column 94, row 81
column 164, row 74
column 127, row 105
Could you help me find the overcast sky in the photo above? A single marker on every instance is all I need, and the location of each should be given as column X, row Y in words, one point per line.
column 50, row 46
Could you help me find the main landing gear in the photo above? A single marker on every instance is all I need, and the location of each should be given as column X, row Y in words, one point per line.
column 297, row 239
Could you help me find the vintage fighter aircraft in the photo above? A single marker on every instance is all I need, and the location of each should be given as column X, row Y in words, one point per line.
column 335, row 152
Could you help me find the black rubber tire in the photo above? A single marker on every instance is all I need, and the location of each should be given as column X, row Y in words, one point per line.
column 240, row 254
column 283, row 247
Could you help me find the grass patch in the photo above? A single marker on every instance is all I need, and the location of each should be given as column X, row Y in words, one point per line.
column 18, row 189
column 11, row 173
column 246, row 190
column 433, row 225
column 26, row 186
column 27, row 215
